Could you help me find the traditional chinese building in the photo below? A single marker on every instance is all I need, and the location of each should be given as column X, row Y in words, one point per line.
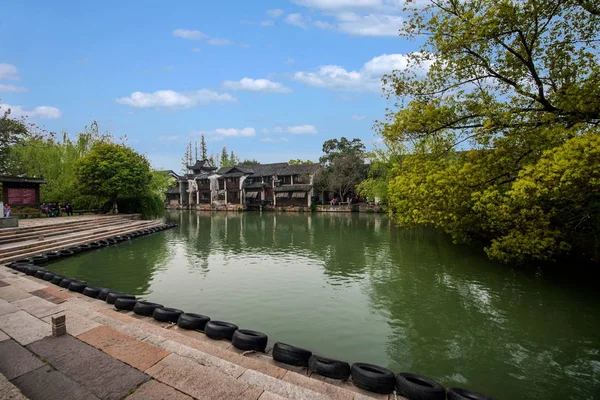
column 21, row 190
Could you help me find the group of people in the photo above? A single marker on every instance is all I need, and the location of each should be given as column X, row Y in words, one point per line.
column 54, row 209
column 349, row 200
column 6, row 210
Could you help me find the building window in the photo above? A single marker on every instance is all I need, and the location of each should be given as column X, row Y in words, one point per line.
column 286, row 180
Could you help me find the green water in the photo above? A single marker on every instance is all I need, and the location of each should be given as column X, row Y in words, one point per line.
column 357, row 288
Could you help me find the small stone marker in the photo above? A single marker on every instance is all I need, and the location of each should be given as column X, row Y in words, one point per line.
column 59, row 325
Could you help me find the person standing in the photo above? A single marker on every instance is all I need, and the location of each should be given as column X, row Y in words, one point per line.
column 6, row 210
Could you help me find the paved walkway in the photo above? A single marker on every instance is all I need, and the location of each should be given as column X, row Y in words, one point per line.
column 108, row 354
column 34, row 222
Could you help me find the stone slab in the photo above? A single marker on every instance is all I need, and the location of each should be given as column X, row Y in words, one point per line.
column 154, row 390
column 38, row 307
column 26, row 283
column 136, row 353
column 48, row 384
column 359, row 393
column 334, row 392
column 252, row 393
column 76, row 323
column 7, row 308
column 12, row 293
column 2, row 284
column 16, row 360
column 279, row 387
column 98, row 372
column 195, row 379
column 271, row 396
column 8, row 391
column 24, row 327
column 51, row 294
column 3, row 336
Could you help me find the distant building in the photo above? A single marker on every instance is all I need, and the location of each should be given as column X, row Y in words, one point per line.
column 278, row 184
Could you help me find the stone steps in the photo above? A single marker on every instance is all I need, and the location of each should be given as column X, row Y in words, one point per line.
column 60, row 230
column 48, row 224
column 71, row 241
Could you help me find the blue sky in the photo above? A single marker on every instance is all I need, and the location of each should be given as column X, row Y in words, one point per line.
column 270, row 80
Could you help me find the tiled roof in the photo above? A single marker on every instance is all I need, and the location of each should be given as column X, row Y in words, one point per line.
column 202, row 164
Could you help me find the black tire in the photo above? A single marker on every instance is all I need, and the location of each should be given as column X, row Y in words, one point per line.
column 95, row 245
column 57, row 279
column 111, row 241
column 328, row 367
column 92, row 291
column 52, row 255
column 419, row 387
column 24, row 261
column 77, row 286
column 74, row 250
column 48, row 276
column 124, row 303
column 113, row 296
column 103, row 293
column 373, row 378
column 126, row 237
column 192, row 321
column 65, row 253
column 465, row 394
column 291, row 355
column 40, row 273
column 165, row 314
column 39, row 259
column 66, row 282
column 245, row 339
column 31, row 270
column 103, row 243
column 84, row 247
column 146, row 308
column 220, row 330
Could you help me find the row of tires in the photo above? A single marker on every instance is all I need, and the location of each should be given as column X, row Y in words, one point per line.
column 366, row 376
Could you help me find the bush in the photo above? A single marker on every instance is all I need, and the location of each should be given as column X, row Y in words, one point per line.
column 150, row 206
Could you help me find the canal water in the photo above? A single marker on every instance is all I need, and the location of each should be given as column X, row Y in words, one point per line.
column 355, row 287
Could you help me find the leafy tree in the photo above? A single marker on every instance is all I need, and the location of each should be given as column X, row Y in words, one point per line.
column 12, row 132
column 248, row 162
column 113, row 170
column 334, row 148
column 344, row 166
column 224, row 157
column 495, row 89
column 299, row 161
column 203, row 147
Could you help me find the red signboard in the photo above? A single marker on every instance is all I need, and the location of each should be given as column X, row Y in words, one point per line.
column 21, row 196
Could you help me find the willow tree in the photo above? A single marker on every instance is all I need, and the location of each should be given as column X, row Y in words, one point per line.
column 497, row 88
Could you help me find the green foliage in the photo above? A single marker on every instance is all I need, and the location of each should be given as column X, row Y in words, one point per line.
column 12, row 133
column 113, row 170
column 160, row 182
column 500, row 110
column 334, row 148
column 344, row 166
column 247, row 162
column 299, row 161
column 149, row 205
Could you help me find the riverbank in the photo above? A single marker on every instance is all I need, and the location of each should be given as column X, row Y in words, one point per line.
column 108, row 354
column 343, row 208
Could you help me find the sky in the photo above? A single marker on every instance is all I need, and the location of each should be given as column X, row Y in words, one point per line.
column 270, row 80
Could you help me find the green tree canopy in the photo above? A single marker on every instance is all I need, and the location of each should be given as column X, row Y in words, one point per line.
column 248, row 162
column 299, row 161
column 495, row 89
column 112, row 171
column 12, row 132
column 334, row 148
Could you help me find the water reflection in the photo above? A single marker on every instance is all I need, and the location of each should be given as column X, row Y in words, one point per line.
column 355, row 287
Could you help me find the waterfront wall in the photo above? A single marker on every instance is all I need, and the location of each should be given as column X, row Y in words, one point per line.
column 365, row 208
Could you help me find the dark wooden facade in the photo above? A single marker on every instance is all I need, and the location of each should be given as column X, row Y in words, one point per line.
column 21, row 191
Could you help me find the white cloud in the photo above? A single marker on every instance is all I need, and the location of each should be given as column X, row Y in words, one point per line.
column 189, row 34
column 358, row 117
column 337, row 5
column 297, row 129
column 234, row 132
column 45, row 112
column 364, row 25
column 197, row 50
column 297, row 20
column 219, row 42
column 290, row 60
column 367, row 79
column 12, row 88
column 171, row 98
column 256, row 85
column 275, row 13
column 269, row 22
column 274, row 140
column 9, row 72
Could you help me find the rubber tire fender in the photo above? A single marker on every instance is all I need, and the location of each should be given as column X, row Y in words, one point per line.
column 77, row 286
column 48, row 276
column 245, row 339
column 192, row 321
column 74, row 250
column 57, row 279
column 104, row 292
column 23, row 261
column 111, row 241
column 103, row 243
column 94, row 245
column 373, row 378
column 329, row 367
column 40, row 273
column 125, row 303
column 65, row 253
column 39, row 259
column 52, row 255
column 66, row 282
column 291, row 355
column 92, row 291
column 113, row 296
column 419, row 387
column 146, row 308
column 165, row 314
column 220, row 330
column 84, row 247
column 31, row 270
column 465, row 394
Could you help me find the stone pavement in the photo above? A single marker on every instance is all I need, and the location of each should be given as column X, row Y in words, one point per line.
column 108, row 354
